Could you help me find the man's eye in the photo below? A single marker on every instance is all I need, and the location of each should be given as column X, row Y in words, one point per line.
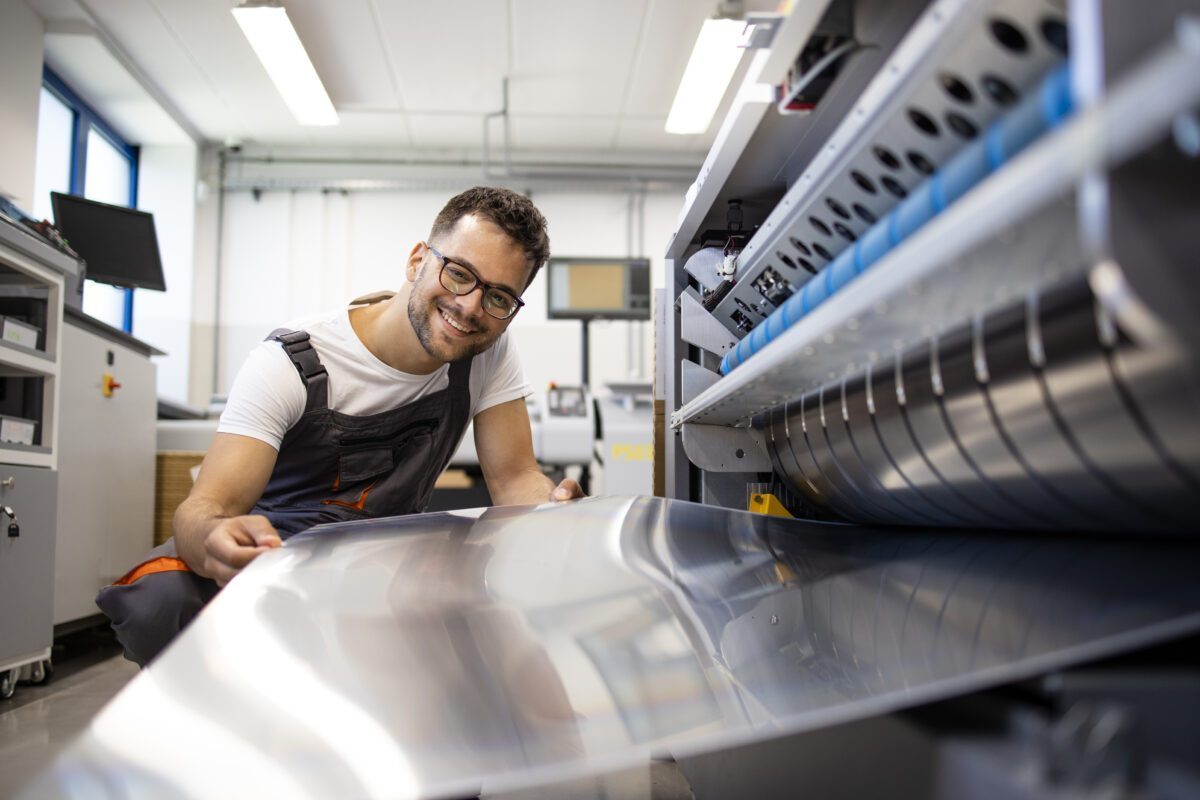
column 458, row 275
column 499, row 301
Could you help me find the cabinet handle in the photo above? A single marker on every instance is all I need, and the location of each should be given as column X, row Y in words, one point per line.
column 8, row 482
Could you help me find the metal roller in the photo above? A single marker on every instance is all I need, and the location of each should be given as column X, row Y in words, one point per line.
column 1023, row 419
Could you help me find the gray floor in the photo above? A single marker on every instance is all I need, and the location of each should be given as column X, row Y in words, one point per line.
column 40, row 720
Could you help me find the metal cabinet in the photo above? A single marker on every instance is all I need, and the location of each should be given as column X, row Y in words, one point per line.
column 106, row 463
column 31, row 295
column 26, row 564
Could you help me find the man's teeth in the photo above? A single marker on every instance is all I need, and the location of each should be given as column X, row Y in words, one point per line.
column 454, row 324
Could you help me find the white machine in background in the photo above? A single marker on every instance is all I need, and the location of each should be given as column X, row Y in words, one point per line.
column 626, row 451
column 562, row 420
column 610, row 436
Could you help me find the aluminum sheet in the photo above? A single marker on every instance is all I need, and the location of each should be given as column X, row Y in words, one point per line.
column 449, row 654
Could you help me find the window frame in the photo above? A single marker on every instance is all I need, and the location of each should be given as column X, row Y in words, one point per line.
column 84, row 118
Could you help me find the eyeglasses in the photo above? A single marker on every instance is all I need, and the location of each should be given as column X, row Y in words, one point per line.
column 462, row 280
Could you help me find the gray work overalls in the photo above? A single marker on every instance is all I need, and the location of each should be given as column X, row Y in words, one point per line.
column 331, row 468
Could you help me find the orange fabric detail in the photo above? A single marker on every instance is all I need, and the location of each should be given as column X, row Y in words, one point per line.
column 358, row 504
column 152, row 567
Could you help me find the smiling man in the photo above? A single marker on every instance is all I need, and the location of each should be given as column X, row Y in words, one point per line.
column 355, row 413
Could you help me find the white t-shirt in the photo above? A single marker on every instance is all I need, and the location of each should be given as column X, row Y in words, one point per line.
column 268, row 395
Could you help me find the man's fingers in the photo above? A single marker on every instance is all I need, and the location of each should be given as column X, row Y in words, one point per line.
column 235, row 543
column 262, row 532
column 232, row 553
column 566, row 490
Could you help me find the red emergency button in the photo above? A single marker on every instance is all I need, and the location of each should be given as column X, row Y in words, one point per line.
column 109, row 385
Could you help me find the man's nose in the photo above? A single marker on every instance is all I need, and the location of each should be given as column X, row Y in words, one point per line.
column 472, row 302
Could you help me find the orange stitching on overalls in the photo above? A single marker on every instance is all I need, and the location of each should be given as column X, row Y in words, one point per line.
column 356, row 505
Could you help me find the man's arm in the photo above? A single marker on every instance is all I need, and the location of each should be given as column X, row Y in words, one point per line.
column 212, row 534
column 504, row 445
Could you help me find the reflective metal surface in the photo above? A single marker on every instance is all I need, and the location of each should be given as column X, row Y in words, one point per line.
column 449, row 654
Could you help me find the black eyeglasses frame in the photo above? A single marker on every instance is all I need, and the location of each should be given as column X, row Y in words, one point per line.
column 479, row 283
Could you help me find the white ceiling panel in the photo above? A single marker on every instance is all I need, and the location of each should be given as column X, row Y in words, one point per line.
column 147, row 38
column 564, row 133
column 447, row 56
column 207, row 32
column 573, row 56
column 449, row 130
column 357, row 128
column 84, row 63
column 646, row 133
column 666, row 44
column 344, row 43
column 585, row 76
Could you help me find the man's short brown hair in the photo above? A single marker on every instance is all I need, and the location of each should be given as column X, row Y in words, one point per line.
column 513, row 213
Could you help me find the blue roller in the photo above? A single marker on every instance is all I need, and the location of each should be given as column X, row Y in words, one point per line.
column 1037, row 113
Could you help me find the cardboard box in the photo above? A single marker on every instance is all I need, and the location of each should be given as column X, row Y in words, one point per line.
column 172, row 482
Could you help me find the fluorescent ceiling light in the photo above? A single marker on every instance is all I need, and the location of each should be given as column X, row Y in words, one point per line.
column 714, row 60
column 277, row 46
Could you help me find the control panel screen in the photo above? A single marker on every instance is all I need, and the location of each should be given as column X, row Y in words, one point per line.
column 598, row 288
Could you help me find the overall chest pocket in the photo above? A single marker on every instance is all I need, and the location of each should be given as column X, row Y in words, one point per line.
column 359, row 465
column 379, row 475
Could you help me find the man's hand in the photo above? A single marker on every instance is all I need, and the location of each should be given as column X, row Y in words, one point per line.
column 567, row 489
column 211, row 533
column 233, row 543
column 505, row 448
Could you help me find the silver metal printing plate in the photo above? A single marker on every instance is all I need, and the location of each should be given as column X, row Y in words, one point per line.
column 450, row 654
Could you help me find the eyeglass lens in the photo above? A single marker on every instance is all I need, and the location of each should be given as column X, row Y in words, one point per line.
column 497, row 303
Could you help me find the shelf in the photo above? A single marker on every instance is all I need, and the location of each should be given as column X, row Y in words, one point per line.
column 25, row 455
column 30, row 244
column 25, row 362
column 907, row 297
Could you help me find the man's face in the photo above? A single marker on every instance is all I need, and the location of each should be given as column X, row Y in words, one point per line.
column 452, row 327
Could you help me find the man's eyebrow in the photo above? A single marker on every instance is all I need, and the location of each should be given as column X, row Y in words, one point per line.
column 463, row 262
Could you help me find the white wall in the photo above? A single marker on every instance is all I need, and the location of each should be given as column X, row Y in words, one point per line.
column 202, row 358
column 167, row 189
column 292, row 253
column 21, row 33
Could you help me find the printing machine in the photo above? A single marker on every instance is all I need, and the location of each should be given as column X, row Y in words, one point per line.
column 929, row 303
column 956, row 292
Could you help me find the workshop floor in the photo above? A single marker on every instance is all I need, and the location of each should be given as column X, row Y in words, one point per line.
column 39, row 721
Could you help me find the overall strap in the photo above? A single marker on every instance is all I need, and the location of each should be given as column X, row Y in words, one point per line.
column 300, row 350
column 460, row 374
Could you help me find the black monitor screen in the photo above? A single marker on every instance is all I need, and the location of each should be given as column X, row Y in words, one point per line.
column 119, row 244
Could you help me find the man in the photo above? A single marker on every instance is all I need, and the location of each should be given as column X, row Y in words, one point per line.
column 357, row 413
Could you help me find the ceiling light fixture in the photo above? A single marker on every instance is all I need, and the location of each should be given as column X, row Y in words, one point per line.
column 715, row 58
column 270, row 33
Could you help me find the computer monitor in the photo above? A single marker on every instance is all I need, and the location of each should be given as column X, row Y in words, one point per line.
column 119, row 244
column 598, row 288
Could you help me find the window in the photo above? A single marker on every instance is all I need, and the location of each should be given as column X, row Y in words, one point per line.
column 55, row 134
column 78, row 152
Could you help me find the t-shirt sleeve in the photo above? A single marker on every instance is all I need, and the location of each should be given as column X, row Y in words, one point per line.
column 505, row 379
column 267, row 397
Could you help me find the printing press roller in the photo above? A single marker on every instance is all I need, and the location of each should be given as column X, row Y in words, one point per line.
column 1043, row 414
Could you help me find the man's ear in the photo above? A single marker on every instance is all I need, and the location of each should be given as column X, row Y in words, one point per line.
column 414, row 261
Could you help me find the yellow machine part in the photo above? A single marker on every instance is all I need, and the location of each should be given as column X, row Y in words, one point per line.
column 767, row 503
